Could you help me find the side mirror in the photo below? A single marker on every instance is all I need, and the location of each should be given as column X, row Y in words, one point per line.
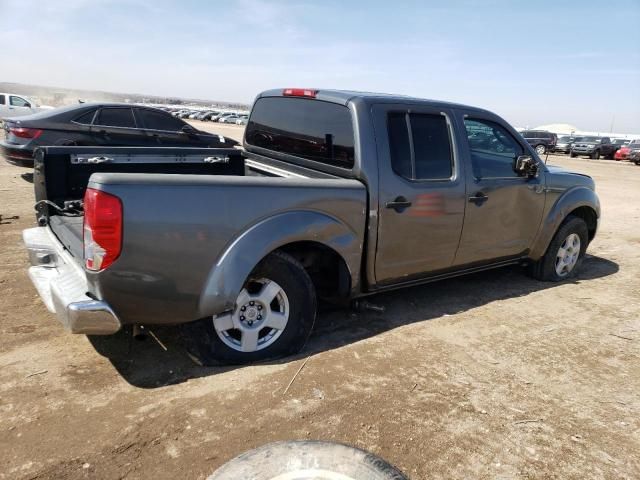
column 526, row 166
column 188, row 130
column 27, row 105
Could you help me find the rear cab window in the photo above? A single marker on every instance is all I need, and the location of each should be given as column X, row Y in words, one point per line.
column 305, row 128
column 2, row 100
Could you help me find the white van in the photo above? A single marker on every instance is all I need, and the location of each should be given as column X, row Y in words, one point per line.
column 12, row 105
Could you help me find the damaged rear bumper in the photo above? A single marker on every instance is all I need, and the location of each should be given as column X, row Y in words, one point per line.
column 62, row 285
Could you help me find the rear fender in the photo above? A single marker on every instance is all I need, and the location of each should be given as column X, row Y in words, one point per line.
column 226, row 278
column 570, row 200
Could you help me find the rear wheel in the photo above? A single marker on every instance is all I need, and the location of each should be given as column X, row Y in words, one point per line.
column 565, row 252
column 273, row 317
column 541, row 149
column 596, row 155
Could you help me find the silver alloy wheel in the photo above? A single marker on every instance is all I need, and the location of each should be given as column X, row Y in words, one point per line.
column 568, row 255
column 540, row 149
column 260, row 316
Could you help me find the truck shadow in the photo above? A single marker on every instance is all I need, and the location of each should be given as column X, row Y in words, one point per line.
column 146, row 364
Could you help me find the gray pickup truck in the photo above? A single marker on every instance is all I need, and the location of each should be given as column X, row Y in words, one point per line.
column 337, row 195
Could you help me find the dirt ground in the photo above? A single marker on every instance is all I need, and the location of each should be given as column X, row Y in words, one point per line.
column 489, row 376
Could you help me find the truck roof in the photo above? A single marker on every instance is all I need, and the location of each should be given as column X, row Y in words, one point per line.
column 343, row 97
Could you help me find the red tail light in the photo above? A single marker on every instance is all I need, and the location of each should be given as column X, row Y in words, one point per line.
column 102, row 229
column 299, row 92
column 25, row 132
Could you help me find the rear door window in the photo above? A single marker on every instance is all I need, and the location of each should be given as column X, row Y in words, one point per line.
column 158, row 120
column 115, row 117
column 310, row 129
column 420, row 146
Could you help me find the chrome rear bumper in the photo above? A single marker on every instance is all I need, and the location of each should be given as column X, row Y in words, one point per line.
column 62, row 285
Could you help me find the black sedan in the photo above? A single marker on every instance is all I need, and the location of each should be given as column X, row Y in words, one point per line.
column 100, row 125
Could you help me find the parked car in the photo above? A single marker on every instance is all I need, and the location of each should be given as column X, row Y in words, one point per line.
column 618, row 143
column 634, row 156
column 216, row 118
column 207, row 117
column 594, row 147
column 100, row 125
column 228, row 119
column 242, row 120
column 564, row 143
column 342, row 195
column 541, row 140
column 626, row 151
column 12, row 105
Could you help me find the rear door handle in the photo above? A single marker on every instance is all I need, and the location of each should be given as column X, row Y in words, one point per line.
column 398, row 204
column 478, row 198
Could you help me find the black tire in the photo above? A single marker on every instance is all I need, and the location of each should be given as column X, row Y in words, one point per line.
column 572, row 155
column 307, row 460
column 541, row 149
column 204, row 342
column 545, row 268
column 595, row 155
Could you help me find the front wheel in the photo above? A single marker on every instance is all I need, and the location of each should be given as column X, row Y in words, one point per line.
column 572, row 155
column 596, row 155
column 565, row 252
column 273, row 317
column 541, row 149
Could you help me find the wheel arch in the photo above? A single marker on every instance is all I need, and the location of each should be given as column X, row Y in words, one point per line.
column 579, row 201
column 303, row 234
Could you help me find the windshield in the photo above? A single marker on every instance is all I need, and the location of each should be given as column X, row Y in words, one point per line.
column 620, row 142
column 564, row 139
column 591, row 139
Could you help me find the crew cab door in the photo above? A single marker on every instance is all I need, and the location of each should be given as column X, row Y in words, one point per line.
column 421, row 198
column 116, row 126
column 504, row 210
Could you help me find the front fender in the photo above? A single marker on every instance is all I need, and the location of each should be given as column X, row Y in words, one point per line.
column 567, row 202
column 240, row 257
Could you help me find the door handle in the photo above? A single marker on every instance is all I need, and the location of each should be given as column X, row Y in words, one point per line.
column 478, row 198
column 398, row 204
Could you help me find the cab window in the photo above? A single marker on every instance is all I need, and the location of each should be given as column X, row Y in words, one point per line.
column 18, row 101
column 493, row 149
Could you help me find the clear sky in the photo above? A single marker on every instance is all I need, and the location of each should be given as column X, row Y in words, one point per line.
column 533, row 62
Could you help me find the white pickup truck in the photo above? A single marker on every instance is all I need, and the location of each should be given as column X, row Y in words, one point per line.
column 12, row 105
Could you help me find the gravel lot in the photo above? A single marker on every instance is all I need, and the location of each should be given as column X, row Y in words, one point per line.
column 489, row 376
